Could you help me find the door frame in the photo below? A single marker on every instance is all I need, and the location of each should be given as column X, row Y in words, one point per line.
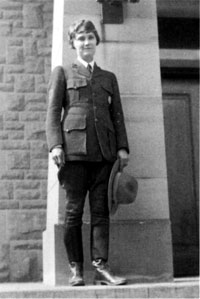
column 181, row 88
column 175, row 81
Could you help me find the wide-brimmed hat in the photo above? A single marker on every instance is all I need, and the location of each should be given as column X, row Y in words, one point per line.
column 122, row 188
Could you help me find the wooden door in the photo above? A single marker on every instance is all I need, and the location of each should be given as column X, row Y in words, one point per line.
column 180, row 103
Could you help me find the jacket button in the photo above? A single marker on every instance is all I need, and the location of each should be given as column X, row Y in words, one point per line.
column 96, row 120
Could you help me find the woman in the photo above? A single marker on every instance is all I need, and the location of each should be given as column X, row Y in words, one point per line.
column 86, row 134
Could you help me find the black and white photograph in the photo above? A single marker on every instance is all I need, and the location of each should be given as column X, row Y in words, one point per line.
column 99, row 149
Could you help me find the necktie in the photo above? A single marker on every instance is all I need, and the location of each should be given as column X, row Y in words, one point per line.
column 89, row 67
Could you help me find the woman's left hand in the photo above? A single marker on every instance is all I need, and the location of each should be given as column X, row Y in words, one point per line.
column 123, row 158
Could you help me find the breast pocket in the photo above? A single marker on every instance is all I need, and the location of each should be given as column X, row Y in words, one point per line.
column 73, row 88
column 74, row 132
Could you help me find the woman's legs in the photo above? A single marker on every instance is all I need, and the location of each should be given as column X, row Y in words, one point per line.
column 75, row 183
column 99, row 177
column 75, row 175
column 100, row 226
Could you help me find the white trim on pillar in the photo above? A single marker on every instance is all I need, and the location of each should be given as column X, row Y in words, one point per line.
column 57, row 41
column 53, row 233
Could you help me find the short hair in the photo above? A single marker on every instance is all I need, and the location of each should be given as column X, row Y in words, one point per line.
column 87, row 25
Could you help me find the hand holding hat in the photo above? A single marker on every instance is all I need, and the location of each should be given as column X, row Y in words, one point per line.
column 122, row 188
column 123, row 158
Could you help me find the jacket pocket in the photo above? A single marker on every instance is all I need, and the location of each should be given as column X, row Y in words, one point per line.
column 76, row 83
column 106, row 85
column 75, row 134
column 73, row 88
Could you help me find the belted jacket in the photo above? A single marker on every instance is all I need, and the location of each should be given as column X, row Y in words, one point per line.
column 85, row 113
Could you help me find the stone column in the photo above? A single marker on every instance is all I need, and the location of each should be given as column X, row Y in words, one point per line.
column 55, row 265
column 140, row 236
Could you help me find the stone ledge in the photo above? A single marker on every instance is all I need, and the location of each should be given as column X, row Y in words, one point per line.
column 188, row 288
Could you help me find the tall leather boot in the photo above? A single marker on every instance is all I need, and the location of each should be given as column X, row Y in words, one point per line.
column 73, row 243
column 74, row 248
column 77, row 274
column 103, row 274
column 99, row 241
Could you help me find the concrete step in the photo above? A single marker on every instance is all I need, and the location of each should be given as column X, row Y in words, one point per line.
column 188, row 288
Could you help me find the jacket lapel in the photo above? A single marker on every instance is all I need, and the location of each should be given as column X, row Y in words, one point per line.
column 96, row 70
column 81, row 69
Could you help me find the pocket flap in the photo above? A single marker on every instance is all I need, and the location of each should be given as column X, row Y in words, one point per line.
column 76, row 83
column 107, row 86
column 75, row 122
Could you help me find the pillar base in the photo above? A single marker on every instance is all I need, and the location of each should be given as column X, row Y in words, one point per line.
column 55, row 263
column 139, row 250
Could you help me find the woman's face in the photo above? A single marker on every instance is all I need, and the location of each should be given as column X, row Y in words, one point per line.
column 85, row 45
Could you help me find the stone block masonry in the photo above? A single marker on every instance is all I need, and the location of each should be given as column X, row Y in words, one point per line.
column 25, row 65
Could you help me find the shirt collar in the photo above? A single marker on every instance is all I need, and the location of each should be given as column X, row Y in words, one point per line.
column 85, row 63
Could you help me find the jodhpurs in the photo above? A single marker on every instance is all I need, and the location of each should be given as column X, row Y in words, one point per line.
column 79, row 178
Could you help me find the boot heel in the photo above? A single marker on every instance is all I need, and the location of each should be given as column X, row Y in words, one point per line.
column 77, row 271
column 97, row 282
column 100, row 282
column 104, row 276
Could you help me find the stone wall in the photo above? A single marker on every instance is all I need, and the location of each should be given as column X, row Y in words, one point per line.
column 25, row 63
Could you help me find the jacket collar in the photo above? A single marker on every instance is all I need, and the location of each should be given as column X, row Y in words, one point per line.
column 85, row 63
column 82, row 70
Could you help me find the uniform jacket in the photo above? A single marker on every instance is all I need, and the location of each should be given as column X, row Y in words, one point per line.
column 85, row 113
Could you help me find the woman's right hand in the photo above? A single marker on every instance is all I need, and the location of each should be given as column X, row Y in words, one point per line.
column 58, row 156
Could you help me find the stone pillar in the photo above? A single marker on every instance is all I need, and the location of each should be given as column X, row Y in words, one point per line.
column 140, row 236
column 54, row 257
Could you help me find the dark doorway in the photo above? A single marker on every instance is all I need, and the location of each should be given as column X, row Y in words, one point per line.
column 180, row 104
column 178, row 33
